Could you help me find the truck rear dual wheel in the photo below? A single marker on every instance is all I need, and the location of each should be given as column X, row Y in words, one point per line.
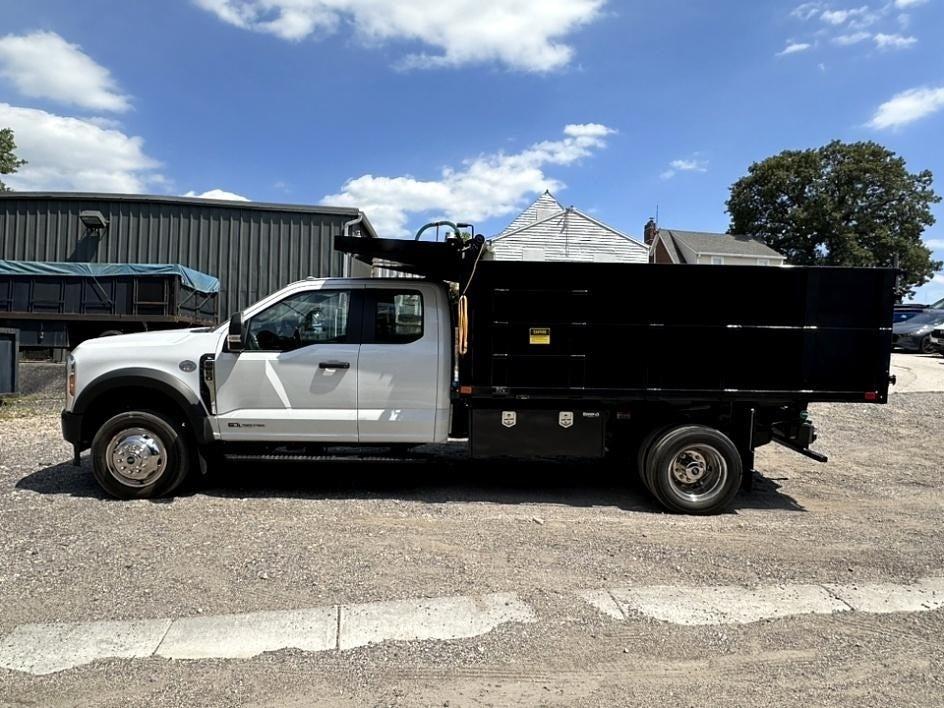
column 692, row 469
column 139, row 455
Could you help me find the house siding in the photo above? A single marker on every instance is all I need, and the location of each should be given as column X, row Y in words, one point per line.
column 741, row 260
column 568, row 237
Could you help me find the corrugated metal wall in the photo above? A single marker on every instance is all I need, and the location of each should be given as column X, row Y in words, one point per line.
column 253, row 249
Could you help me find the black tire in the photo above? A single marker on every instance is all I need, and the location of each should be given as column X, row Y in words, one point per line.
column 642, row 455
column 713, row 468
column 926, row 346
column 159, row 457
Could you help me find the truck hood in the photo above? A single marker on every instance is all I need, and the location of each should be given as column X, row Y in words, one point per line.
column 156, row 340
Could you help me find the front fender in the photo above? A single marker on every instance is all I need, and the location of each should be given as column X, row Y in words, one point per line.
column 159, row 381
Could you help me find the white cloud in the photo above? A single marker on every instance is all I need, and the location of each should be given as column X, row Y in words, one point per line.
column 74, row 154
column 483, row 187
column 894, row 41
column 935, row 244
column 218, row 194
column 840, row 17
column 794, row 48
column 845, row 40
column 44, row 65
column 938, row 279
column 909, row 3
column 807, row 10
column 522, row 34
column 692, row 164
column 907, row 107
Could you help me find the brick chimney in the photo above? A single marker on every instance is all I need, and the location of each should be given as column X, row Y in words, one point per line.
column 649, row 231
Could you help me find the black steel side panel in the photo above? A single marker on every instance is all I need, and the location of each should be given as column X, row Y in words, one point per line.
column 137, row 298
column 536, row 433
column 669, row 331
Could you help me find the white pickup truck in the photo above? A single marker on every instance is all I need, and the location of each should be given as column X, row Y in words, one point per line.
column 321, row 361
column 532, row 360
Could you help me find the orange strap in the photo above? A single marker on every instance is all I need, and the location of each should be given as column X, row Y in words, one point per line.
column 463, row 325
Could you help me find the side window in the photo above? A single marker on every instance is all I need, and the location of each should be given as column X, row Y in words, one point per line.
column 717, row 260
column 398, row 318
column 312, row 317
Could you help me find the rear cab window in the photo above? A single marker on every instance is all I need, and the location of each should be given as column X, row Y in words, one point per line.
column 394, row 316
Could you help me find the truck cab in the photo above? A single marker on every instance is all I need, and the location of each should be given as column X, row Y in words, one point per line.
column 322, row 361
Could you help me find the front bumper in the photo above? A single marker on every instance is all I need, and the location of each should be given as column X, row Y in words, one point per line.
column 72, row 427
column 908, row 342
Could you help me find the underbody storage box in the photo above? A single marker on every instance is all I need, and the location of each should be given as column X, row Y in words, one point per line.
column 529, row 432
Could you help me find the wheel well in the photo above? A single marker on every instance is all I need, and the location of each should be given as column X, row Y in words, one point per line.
column 128, row 398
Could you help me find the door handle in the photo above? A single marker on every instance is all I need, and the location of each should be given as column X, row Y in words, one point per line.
column 334, row 365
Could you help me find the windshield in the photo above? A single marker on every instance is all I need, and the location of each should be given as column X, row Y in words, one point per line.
column 928, row 317
column 939, row 305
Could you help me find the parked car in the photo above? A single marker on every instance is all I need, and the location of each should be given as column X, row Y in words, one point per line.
column 914, row 335
column 903, row 314
column 937, row 339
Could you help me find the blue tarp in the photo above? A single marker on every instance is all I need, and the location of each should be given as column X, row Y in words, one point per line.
column 194, row 279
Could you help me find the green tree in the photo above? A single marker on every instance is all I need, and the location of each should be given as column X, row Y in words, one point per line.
column 9, row 162
column 850, row 204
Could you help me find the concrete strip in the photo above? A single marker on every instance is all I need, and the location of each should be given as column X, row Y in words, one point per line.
column 923, row 596
column 725, row 604
column 46, row 648
column 917, row 373
column 436, row 618
column 247, row 635
column 602, row 601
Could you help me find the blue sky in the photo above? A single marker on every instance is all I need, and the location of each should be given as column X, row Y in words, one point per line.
column 413, row 109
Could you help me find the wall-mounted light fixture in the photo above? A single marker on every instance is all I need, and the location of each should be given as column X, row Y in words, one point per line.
column 93, row 220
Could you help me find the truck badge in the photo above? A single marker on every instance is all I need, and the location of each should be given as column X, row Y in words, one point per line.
column 509, row 418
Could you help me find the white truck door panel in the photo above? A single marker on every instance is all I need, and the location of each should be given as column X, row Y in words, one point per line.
column 297, row 378
column 400, row 369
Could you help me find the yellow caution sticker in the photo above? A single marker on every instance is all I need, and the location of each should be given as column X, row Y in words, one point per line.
column 540, row 335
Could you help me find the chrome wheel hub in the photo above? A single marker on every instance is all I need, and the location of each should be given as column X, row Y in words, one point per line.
column 135, row 457
column 697, row 473
column 690, row 467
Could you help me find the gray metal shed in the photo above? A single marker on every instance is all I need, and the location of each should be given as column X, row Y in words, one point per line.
column 253, row 248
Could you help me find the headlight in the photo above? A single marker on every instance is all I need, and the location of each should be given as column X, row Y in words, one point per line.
column 70, row 377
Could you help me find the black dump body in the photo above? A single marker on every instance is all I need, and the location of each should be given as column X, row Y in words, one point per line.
column 689, row 332
column 60, row 311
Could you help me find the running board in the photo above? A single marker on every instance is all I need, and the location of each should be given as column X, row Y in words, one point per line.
column 319, row 458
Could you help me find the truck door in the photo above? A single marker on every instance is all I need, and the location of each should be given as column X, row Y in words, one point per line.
column 296, row 380
column 403, row 377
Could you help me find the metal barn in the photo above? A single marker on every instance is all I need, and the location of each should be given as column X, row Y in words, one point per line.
column 253, row 248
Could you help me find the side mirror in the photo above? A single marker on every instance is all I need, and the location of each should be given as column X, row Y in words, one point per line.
column 234, row 340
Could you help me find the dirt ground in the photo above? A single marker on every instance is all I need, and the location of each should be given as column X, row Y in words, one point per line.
column 258, row 538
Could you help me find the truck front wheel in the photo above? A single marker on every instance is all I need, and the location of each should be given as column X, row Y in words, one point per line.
column 694, row 469
column 138, row 455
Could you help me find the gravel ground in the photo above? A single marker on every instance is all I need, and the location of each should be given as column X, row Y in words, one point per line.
column 290, row 537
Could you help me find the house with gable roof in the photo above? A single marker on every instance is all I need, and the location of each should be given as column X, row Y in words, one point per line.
column 675, row 246
column 548, row 231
